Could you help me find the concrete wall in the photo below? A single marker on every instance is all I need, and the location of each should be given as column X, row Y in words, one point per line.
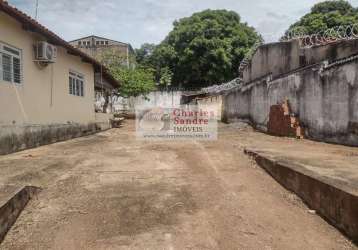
column 43, row 96
column 154, row 99
column 273, row 58
column 276, row 59
column 325, row 102
column 17, row 138
column 212, row 103
column 103, row 120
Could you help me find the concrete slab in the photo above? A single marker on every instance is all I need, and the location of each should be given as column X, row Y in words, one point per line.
column 334, row 197
column 13, row 199
column 131, row 194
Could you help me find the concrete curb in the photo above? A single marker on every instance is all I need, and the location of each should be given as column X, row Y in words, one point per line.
column 18, row 138
column 335, row 204
column 11, row 208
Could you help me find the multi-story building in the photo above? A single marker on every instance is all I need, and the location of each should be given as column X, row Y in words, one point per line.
column 103, row 49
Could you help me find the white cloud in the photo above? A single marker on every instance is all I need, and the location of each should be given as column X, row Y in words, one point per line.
column 139, row 21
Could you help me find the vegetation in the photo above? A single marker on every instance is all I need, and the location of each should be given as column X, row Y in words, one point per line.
column 207, row 48
column 113, row 57
column 144, row 54
column 326, row 15
column 135, row 80
column 201, row 50
column 166, row 76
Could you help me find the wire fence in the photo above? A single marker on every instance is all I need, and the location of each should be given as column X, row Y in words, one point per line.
column 218, row 89
column 249, row 56
column 343, row 32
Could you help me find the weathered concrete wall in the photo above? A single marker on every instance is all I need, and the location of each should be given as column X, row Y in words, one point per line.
column 326, row 102
column 154, row 99
column 335, row 203
column 103, row 120
column 211, row 103
column 16, row 138
column 281, row 58
column 273, row 58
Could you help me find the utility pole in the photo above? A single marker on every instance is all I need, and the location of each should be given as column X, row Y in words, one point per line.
column 36, row 10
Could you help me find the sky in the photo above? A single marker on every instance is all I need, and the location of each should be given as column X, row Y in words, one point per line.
column 149, row 21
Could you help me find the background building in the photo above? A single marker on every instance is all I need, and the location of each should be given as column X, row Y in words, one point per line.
column 103, row 49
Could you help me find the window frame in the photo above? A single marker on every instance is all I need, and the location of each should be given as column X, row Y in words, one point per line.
column 76, row 84
column 13, row 53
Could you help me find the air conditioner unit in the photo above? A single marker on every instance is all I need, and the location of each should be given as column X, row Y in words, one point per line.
column 45, row 52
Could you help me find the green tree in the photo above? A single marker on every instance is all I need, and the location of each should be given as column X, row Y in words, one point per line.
column 144, row 54
column 343, row 7
column 134, row 81
column 113, row 57
column 204, row 49
column 326, row 15
column 166, row 76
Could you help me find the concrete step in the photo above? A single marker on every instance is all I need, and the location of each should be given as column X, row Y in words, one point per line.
column 336, row 201
column 13, row 200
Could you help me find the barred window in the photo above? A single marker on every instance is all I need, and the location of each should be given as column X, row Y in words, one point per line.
column 10, row 64
column 76, row 84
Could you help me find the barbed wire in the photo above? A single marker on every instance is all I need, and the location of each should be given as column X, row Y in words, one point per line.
column 342, row 32
column 218, row 89
column 249, row 56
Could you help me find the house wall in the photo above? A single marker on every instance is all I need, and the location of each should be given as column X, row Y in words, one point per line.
column 40, row 110
column 43, row 97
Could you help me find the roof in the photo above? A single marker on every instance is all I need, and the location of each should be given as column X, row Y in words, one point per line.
column 32, row 25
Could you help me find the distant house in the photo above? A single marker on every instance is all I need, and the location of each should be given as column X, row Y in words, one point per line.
column 98, row 47
column 47, row 86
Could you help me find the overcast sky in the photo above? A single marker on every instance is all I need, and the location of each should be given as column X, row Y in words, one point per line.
column 140, row 21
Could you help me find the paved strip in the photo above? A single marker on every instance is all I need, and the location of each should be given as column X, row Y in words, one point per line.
column 110, row 191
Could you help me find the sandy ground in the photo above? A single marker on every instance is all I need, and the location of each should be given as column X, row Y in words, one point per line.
column 110, row 191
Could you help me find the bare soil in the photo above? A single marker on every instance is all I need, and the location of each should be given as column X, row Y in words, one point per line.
column 111, row 191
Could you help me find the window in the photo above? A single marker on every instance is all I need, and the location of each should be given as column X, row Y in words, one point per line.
column 102, row 42
column 97, row 42
column 106, row 42
column 76, row 84
column 79, row 43
column 10, row 64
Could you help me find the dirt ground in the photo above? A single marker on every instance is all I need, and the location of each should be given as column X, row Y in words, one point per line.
column 111, row 191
